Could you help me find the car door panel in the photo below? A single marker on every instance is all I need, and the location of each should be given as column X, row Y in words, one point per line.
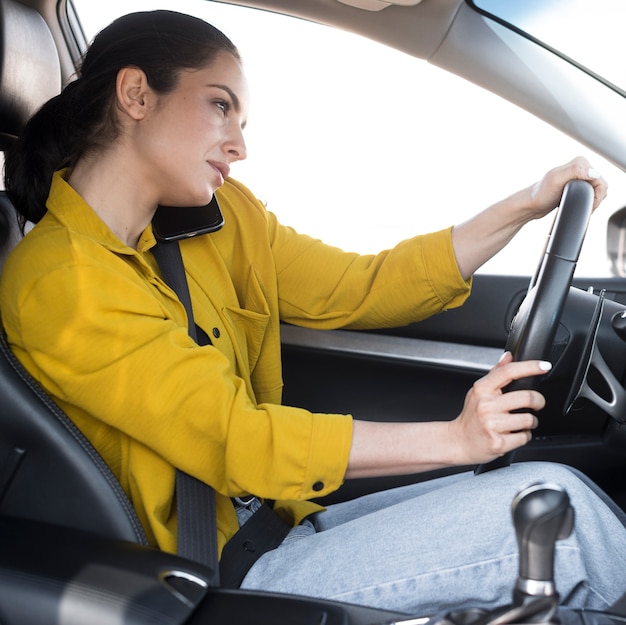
column 423, row 372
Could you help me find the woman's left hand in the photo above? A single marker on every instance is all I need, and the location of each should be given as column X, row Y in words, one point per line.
column 545, row 195
column 479, row 238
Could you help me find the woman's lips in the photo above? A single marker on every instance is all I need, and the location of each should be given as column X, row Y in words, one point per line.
column 222, row 169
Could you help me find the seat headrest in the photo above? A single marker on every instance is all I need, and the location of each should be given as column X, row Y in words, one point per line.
column 30, row 71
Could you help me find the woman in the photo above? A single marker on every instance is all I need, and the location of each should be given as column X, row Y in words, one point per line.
column 156, row 117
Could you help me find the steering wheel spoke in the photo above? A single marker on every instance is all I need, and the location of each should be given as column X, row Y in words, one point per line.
column 614, row 400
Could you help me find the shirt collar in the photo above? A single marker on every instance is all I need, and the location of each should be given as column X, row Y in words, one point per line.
column 71, row 210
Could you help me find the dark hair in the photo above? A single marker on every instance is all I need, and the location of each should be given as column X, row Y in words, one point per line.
column 81, row 118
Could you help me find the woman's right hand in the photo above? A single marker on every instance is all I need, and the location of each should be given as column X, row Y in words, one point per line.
column 488, row 427
column 485, row 429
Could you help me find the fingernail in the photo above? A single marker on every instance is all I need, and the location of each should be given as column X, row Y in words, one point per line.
column 544, row 365
column 592, row 173
column 503, row 356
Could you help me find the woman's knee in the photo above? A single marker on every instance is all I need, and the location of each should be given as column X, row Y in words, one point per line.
column 512, row 480
column 526, row 473
column 579, row 487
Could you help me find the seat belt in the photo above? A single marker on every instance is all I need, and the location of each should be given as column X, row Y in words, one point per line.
column 197, row 518
column 195, row 500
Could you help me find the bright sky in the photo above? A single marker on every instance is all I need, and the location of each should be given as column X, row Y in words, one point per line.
column 413, row 156
column 583, row 34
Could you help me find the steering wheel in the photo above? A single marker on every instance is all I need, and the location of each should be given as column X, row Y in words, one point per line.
column 535, row 324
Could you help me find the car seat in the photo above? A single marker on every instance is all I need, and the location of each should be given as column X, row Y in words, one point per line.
column 48, row 470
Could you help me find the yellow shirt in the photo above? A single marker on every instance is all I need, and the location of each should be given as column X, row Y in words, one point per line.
column 93, row 322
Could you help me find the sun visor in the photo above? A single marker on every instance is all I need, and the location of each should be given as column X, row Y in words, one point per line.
column 378, row 5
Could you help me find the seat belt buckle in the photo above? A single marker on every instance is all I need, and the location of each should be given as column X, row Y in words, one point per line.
column 245, row 502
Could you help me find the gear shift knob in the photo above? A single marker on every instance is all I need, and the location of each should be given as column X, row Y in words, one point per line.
column 542, row 514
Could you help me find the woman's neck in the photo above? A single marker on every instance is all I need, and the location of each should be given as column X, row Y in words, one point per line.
column 114, row 195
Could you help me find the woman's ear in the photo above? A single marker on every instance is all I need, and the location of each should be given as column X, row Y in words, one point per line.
column 133, row 92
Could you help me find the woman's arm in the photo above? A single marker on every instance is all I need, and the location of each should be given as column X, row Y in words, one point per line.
column 485, row 429
column 478, row 239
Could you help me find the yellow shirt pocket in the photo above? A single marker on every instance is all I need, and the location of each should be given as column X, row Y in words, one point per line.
column 248, row 324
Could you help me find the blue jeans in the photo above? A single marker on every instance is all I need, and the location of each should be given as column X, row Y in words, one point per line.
column 445, row 543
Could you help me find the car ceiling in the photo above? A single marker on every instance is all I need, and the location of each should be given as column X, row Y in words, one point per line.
column 449, row 34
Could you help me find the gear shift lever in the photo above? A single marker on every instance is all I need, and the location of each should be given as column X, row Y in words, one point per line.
column 542, row 514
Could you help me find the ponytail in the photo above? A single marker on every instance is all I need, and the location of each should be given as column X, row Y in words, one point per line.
column 50, row 141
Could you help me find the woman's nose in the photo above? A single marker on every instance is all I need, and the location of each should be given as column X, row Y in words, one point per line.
column 236, row 146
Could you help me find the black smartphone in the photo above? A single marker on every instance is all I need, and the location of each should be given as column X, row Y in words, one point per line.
column 172, row 223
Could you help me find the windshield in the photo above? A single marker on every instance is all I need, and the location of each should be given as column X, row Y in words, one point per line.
column 588, row 32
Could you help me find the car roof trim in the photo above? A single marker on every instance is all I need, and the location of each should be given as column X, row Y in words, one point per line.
column 416, row 30
column 537, row 80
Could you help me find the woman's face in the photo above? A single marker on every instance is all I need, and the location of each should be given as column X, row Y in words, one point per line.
column 192, row 136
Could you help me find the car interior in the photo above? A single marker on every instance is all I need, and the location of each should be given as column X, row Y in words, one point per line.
column 72, row 549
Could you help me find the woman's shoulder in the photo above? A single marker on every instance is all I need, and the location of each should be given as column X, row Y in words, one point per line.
column 36, row 248
column 36, row 257
column 47, row 250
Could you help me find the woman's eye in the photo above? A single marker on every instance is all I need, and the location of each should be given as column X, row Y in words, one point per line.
column 223, row 106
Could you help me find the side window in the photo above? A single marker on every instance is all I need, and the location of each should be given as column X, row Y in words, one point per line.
column 362, row 146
